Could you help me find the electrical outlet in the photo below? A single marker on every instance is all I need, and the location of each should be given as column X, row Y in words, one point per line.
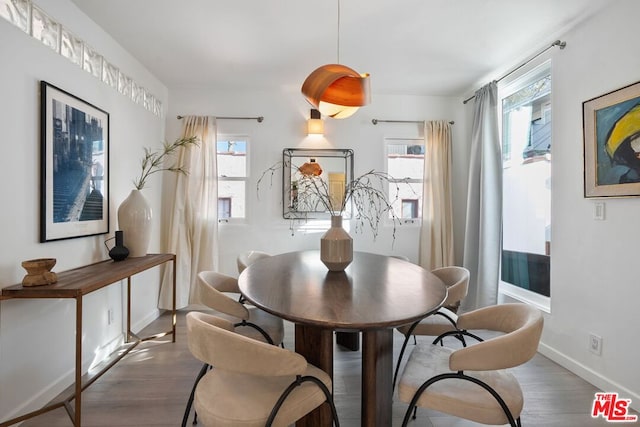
column 109, row 316
column 595, row 344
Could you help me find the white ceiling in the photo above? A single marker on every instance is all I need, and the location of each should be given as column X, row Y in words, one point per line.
column 422, row 47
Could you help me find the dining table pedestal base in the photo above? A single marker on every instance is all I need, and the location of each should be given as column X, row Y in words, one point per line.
column 377, row 377
column 316, row 345
column 348, row 340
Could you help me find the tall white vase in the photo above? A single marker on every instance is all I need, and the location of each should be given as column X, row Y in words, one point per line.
column 134, row 219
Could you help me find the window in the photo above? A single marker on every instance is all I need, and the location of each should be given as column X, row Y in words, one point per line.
column 405, row 163
column 224, row 207
column 409, row 208
column 231, row 155
column 526, row 147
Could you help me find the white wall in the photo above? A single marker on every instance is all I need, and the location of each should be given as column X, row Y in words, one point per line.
column 285, row 112
column 37, row 336
column 595, row 286
column 594, row 280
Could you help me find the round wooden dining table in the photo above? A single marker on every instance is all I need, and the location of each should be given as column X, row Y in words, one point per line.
column 373, row 295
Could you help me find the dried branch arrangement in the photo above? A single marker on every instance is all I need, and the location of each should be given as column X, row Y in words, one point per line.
column 367, row 192
column 154, row 161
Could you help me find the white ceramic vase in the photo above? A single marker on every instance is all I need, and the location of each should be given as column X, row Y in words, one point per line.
column 336, row 246
column 134, row 219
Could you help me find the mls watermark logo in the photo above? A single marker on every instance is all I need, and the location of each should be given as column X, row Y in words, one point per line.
column 612, row 408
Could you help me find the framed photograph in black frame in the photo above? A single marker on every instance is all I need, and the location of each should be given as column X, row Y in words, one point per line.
column 612, row 143
column 74, row 166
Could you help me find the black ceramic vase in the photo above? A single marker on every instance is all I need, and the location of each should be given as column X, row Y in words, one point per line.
column 119, row 251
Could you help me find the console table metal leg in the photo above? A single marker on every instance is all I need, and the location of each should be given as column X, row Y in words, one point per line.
column 128, row 309
column 173, row 314
column 78, row 397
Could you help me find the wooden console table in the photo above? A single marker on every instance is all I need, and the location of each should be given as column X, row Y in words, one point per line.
column 76, row 284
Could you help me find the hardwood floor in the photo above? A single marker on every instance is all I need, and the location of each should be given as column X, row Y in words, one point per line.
column 151, row 385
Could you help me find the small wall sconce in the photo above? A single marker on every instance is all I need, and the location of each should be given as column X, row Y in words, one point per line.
column 315, row 125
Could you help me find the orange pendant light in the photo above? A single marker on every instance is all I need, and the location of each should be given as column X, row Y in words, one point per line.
column 336, row 90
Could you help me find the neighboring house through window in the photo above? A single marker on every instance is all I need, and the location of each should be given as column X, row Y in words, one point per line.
column 409, row 208
column 232, row 163
column 224, row 207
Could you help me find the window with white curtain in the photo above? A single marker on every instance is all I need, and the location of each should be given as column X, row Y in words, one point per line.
column 405, row 163
column 232, row 163
column 526, row 126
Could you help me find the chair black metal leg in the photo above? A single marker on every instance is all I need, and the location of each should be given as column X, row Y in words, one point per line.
column 264, row 333
column 404, row 346
column 513, row 422
column 203, row 371
column 458, row 334
column 298, row 381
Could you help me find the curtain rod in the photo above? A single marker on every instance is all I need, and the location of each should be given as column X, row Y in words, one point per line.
column 558, row 43
column 259, row 119
column 376, row 121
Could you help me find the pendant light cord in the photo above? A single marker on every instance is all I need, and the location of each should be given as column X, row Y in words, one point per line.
column 338, row 47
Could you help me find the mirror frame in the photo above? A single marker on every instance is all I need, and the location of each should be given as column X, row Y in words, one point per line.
column 296, row 157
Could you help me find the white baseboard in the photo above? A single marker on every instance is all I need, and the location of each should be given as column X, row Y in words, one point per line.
column 43, row 396
column 589, row 375
column 47, row 393
column 145, row 321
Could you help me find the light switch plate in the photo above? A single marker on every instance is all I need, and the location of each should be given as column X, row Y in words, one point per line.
column 598, row 211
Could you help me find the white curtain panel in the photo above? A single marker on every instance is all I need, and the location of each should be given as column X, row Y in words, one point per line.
column 482, row 243
column 193, row 227
column 436, row 233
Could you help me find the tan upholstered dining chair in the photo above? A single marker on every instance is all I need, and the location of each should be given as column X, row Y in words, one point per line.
column 212, row 291
column 252, row 383
column 472, row 382
column 245, row 259
column 249, row 321
column 456, row 280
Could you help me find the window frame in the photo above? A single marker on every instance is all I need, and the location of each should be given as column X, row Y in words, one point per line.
column 534, row 71
column 414, row 207
column 416, row 222
column 220, row 137
column 228, row 201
